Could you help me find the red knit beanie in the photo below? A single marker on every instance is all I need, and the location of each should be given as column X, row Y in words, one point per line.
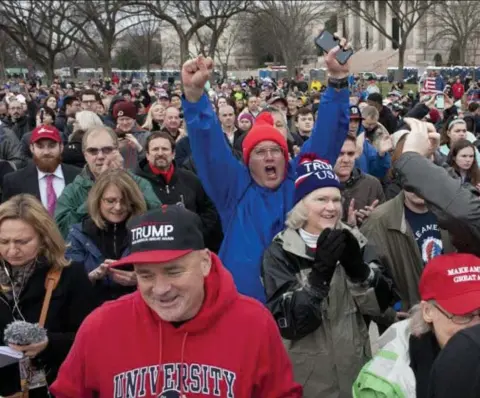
column 263, row 130
column 124, row 108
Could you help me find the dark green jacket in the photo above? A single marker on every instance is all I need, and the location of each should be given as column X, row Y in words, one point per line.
column 72, row 204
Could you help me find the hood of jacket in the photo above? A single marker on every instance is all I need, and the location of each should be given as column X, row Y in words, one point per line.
column 220, row 294
column 356, row 176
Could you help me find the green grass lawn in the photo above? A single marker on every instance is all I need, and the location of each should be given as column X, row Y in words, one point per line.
column 385, row 88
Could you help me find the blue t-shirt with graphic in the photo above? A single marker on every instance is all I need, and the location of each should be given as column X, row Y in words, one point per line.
column 426, row 232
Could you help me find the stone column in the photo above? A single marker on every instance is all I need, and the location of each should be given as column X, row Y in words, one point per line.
column 376, row 34
column 363, row 27
column 351, row 29
column 340, row 22
column 388, row 26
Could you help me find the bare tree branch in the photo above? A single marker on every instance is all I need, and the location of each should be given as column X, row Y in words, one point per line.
column 457, row 21
column 406, row 12
column 195, row 14
column 286, row 27
column 31, row 26
column 99, row 25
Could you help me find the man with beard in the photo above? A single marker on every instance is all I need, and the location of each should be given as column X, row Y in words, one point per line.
column 17, row 119
column 176, row 186
column 131, row 140
column 46, row 177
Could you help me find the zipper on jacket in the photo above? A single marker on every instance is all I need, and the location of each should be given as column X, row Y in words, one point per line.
column 115, row 239
column 167, row 189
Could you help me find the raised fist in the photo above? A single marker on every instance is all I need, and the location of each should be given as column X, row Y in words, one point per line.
column 195, row 73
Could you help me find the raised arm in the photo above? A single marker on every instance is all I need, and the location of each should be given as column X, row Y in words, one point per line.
column 331, row 126
column 222, row 176
column 456, row 205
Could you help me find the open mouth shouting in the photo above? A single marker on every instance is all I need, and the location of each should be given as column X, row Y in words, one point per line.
column 271, row 172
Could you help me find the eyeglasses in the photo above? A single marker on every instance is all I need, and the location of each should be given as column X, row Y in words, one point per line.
column 458, row 319
column 106, row 150
column 113, row 201
column 261, row 153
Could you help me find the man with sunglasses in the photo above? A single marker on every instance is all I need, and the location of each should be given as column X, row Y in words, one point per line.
column 100, row 148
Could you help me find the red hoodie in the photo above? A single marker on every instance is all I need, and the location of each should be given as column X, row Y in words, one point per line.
column 232, row 348
column 458, row 90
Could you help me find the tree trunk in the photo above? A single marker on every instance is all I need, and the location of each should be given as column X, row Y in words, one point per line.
column 461, row 54
column 149, row 44
column 183, row 49
column 3, row 74
column 401, row 61
column 106, row 65
column 49, row 69
column 290, row 64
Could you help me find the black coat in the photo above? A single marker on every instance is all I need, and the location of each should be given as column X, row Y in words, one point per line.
column 26, row 181
column 71, row 302
column 73, row 155
column 183, row 189
column 388, row 120
column 20, row 127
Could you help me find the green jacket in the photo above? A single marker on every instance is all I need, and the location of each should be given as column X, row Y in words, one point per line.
column 388, row 374
column 72, row 204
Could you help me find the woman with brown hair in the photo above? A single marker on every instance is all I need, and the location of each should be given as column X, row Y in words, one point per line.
column 31, row 247
column 103, row 238
column 454, row 130
column 461, row 159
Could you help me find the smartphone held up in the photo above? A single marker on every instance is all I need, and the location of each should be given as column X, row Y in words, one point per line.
column 326, row 41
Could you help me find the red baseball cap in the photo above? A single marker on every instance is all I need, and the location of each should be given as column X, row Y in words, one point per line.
column 453, row 281
column 45, row 132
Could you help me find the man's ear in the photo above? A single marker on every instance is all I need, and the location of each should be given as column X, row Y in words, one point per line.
column 206, row 262
column 427, row 311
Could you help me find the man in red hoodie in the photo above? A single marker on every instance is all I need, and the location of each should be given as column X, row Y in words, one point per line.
column 458, row 90
column 186, row 332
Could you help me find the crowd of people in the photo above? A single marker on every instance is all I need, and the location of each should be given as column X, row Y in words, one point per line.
column 238, row 239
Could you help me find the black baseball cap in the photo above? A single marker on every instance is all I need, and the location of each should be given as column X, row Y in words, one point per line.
column 162, row 235
column 375, row 97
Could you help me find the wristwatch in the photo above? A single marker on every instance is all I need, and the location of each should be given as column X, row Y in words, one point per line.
column 338, row 83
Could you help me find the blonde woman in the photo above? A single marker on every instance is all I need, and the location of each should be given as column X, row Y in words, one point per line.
column 321, row 280
column 103, row 236
column 155, row 117
column 449, row 290
column 30, row 246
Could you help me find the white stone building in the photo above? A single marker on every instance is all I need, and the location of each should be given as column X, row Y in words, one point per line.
column 374, row 52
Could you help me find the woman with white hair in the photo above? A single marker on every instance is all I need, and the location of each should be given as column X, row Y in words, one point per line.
column 450, row 301
column 321, row 282
column 85, row 120
column 72, row 152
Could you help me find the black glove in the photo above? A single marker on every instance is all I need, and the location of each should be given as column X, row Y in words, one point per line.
column 352, row 259
column 330, row 245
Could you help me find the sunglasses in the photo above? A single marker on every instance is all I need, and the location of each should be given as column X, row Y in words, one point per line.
column 106, row 150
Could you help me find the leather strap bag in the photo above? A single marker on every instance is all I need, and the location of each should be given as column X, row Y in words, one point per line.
column 51, row 282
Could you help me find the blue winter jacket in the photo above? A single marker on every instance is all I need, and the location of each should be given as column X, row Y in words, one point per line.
column 370, row 162
column 83, row 250
column 252, row 215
